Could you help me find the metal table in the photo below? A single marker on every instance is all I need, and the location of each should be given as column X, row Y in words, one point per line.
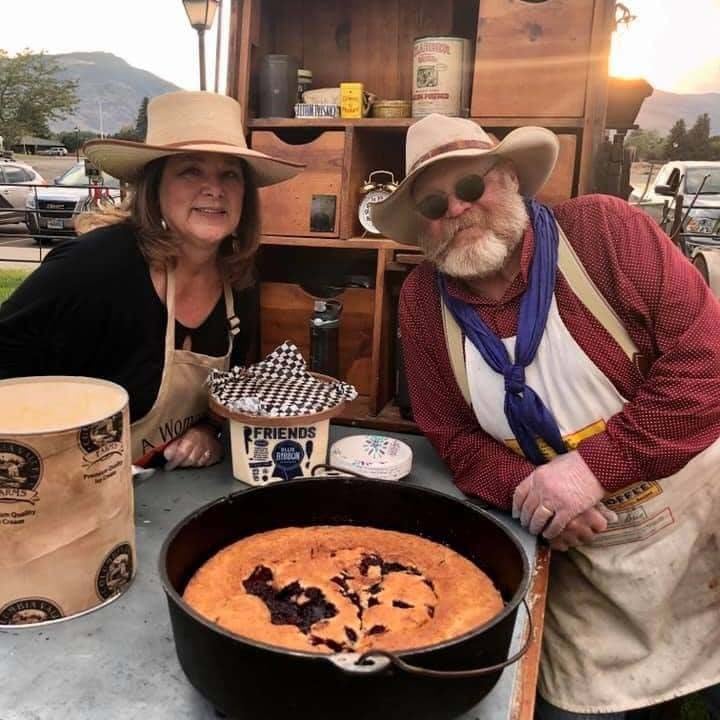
column 120, row 662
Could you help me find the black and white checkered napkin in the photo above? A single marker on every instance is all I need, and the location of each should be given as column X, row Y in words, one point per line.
column 278, row 386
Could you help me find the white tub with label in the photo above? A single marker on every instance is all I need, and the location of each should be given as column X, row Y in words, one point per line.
column 273, row 449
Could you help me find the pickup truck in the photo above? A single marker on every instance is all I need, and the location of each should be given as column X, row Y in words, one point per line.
column 685, row 201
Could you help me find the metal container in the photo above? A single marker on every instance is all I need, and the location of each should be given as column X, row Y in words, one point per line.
column 249, row 679
column 391, row 109
column 278, row 85
column 67, row 532
column 441, row 76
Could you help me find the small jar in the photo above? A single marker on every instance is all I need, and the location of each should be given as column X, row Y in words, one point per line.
column 304, row 82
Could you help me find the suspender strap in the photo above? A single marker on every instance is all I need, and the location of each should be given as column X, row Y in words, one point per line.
column 580, row 283
column 586, row 290
column 456, row 351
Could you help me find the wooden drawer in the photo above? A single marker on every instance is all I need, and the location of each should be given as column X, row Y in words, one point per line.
column 309, row 204
column 285, row 311
column 531, row 59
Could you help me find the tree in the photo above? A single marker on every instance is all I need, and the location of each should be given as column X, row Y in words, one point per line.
column 698, row 139
column 31, row 95
column 73, row 140
column 141, row 122
column 676, row 143
column 126, row 132
column 649, row 144
column 714, row 147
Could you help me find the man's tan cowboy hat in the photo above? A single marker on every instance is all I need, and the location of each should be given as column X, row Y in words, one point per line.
column 182, row 122
column 436, row 138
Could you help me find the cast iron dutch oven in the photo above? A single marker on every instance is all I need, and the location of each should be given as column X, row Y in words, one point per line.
column 244, row 678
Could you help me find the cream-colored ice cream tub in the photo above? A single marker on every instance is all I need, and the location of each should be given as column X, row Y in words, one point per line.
column 67, row 531
column 272, row 449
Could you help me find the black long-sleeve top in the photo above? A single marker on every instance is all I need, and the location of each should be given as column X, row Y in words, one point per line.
column 91, row 309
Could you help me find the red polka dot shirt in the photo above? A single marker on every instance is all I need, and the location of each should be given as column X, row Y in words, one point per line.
column 673, row 408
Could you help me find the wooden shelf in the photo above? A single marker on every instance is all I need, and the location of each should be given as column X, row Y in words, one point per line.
column 356, row 414
column 381, row 123
column 355, row 243
column 404, row 123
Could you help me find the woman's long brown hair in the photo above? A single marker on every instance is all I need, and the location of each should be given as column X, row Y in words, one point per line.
column 160, row 247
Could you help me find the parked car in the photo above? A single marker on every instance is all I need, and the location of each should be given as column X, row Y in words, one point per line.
column 676, row 186
column 16, row 186
column 53, row 151
column 51, row 211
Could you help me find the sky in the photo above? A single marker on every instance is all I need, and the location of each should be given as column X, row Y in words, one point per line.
column 153, row 35
column 672, row 43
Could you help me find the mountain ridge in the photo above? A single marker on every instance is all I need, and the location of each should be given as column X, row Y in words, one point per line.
column 109, row 90
column 662, row 109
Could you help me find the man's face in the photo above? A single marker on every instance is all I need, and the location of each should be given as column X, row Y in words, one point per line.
column 473, row 238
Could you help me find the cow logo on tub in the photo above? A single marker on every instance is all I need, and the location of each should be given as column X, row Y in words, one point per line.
column 101, row 442
column 105, row 435
column 20, row 474
column 115, row 572
column 29, row 611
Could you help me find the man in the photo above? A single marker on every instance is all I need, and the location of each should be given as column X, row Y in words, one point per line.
column 567, row 364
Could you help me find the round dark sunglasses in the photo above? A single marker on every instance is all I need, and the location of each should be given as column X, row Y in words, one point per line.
column 435, row 205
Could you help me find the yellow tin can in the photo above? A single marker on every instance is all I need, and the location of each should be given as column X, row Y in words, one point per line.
column 351, row 100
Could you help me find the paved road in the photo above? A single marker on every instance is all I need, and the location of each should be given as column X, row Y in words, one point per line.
column 17, row 249
column 49, row 166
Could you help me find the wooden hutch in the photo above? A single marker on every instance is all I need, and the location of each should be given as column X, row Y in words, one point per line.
column 537, row 62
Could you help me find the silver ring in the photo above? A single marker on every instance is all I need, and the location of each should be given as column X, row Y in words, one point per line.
column 546, row 509
column 206, row 454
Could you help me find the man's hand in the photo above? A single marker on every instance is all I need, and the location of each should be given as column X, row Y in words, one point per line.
column 555, row 493
column 198, row 446
column 582, row 529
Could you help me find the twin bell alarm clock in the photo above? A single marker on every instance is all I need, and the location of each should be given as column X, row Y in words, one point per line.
column 374, row 190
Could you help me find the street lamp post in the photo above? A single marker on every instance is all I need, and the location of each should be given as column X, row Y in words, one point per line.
column 77, row 144
column 201, row 14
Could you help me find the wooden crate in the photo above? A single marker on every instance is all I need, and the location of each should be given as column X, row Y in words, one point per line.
column 285, row 311
column 294, row 207
column 560, row 186
column 532, row 59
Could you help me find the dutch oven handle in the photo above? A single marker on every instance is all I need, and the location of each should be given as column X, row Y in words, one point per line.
column 377, row 661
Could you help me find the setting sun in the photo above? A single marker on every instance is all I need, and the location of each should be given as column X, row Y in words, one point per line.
column 673, row 50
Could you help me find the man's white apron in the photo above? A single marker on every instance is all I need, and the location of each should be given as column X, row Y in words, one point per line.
column 632, row 619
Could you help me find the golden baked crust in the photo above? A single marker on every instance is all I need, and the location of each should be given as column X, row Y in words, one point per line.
column 342, row 588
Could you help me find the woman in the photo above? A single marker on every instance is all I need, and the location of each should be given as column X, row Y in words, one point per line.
column 159, row 292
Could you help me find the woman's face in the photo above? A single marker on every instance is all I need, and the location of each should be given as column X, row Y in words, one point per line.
column 201, row 197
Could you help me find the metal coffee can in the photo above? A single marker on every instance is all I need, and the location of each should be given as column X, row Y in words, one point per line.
column 441, row 76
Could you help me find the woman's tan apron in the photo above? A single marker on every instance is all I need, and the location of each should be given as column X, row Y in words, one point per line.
column 632, row 619
column 182, row 399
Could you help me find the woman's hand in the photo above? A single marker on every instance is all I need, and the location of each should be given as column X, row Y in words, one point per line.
column 198, row 446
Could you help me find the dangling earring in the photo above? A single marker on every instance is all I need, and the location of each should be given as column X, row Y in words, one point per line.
column 163, row 224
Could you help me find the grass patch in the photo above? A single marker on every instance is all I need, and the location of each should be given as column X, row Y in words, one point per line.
column 9, row 280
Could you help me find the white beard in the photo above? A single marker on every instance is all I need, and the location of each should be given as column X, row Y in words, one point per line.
column 476, row 259
column 499, row 232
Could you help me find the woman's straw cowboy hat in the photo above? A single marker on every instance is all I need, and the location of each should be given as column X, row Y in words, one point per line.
column 182, row 122
column 436, row 138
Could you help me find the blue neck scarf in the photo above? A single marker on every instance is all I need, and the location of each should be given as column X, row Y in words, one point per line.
column 526, row 413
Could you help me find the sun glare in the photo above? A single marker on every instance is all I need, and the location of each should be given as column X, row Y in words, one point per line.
column 672, row 51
